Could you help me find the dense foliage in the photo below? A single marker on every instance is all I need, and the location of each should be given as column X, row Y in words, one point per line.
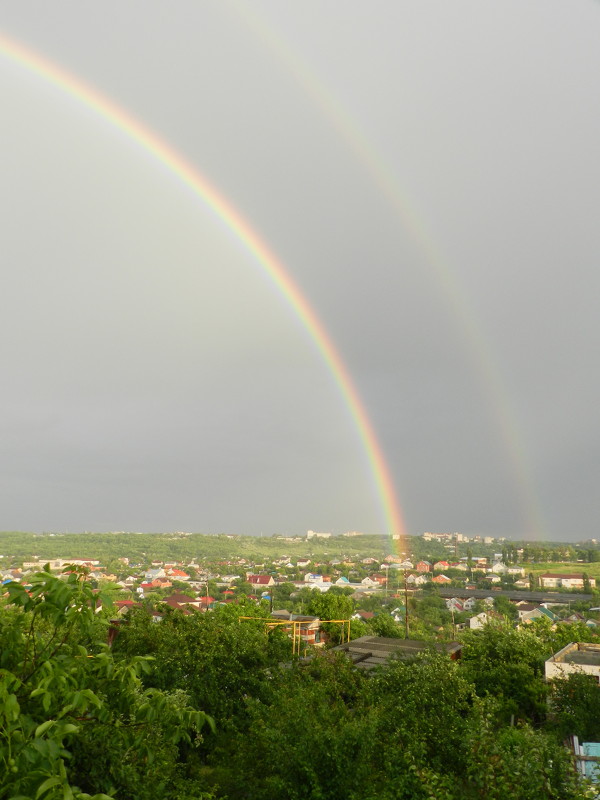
column 75, row 721
column 142, row 547
column 209, row 705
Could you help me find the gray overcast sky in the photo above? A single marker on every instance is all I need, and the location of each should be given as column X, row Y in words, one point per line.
column 429, row 174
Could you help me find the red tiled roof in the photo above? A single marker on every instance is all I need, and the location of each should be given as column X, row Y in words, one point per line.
column 578, row 575
column 180, row 598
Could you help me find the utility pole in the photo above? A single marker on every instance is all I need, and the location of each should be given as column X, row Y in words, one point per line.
column 405, row 607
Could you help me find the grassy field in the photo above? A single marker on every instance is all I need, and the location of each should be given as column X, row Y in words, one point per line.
column 591, row 568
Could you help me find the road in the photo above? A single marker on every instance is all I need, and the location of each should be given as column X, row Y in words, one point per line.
column 531, row 597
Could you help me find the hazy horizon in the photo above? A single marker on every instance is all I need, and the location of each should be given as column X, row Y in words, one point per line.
column 302, row 535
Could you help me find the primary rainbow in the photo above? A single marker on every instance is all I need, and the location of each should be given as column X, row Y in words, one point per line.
column 190, row 176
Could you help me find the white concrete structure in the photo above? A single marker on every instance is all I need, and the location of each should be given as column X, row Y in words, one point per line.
column 575, row 658
column 315, row 535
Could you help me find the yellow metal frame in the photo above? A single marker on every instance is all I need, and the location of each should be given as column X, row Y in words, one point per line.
column 297, row 628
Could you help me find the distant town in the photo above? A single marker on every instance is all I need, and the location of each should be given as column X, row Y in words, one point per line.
column 475, row 650
column 463, row 574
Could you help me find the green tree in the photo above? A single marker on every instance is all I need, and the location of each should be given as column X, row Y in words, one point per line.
column 586, row 583
column 386, row 625
column 329, row 606
column 575, row 707
column 73, row 720
column 216, row 658
column 519, row 763
column 534, row 582
column 507, row 663
column 503, row 606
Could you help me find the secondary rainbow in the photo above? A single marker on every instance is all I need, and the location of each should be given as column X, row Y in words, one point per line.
column 444, row 279
column 223, row 209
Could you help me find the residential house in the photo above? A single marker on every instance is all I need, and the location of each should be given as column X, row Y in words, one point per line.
column 381, row 580
column 313, row 577
column 524, row 608
column 362, row 614
column 369, row 582
column 230, row 578
column 441, row 579
column 123, row 607
column 572, row 580
column 573, row 618
column 176, row 574
column 153, row 574
column 423, row 566
column 261, row 581
column 537, row 613
column 440, row 566
column 484, row 618
column 184, row 602
column 81, row 562
column 157, row 583
column 417, row 580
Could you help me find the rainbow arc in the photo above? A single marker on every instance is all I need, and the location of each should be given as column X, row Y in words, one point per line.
column 272, row 267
